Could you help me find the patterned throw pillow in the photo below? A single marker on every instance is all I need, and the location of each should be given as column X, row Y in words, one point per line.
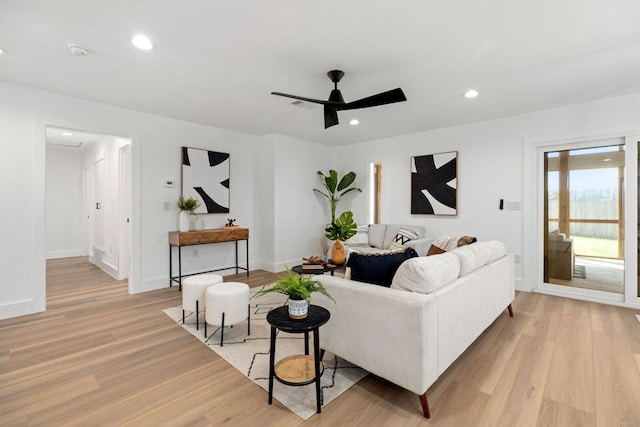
column 403, row 237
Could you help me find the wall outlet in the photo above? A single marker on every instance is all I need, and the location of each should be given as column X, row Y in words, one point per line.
column 513, row 206
column 195, row 252
column 517, row 258
column 166, row 206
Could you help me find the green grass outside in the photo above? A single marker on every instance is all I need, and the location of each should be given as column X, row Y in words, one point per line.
column 595, row 247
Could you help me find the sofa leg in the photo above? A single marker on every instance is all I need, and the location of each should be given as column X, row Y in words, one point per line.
column 425, row 405
column 510, row 310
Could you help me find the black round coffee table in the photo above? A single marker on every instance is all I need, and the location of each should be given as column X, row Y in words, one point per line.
column 293, row 370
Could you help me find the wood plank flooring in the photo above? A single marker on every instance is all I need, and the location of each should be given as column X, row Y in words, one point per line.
column 99, row 356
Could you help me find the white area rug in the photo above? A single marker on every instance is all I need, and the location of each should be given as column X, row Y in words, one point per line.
column 250, row 355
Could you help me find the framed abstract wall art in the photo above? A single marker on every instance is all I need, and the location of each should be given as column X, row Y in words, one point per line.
column 205, row 176
column 434, row 184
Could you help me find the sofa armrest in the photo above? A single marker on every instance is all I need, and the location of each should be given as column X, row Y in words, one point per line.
column 391, row 333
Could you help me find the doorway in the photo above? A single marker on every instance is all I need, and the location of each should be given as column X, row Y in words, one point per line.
column 583, row 228
column 89, row 198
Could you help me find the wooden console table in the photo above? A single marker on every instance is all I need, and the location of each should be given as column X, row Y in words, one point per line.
column 204, row 237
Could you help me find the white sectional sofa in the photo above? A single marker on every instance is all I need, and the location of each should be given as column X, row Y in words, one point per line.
column 378, row 238
column 435, row 308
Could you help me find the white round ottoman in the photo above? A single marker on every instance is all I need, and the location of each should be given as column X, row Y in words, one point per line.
column 193, row 288
column 227, row 303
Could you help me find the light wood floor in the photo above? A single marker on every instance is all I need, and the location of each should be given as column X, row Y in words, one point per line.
column 99, row 356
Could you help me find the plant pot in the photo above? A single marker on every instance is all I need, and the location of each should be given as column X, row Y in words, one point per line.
column 184, row 222
column 298, row 308
column 337, row 253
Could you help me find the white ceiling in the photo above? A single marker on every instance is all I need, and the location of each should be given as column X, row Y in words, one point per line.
column 216, row 62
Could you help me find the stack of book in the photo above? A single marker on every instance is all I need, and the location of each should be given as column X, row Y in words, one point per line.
column 308, row 266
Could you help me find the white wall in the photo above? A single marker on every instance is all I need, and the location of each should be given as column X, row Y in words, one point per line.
column 290, row 213
column 490, row 168
column 64, row 202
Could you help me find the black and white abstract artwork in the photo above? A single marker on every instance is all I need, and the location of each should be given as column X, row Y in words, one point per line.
column 434, row 184
column 205, row 176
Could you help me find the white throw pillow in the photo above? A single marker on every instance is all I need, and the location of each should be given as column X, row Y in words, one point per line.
column 376, row 235
column 361, row 238
column 403, row 237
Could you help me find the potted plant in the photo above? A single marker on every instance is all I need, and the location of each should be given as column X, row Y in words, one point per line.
column 334, row 190
column 343, row 228
column 187, row 208
column 298, row 287
column 340, row 230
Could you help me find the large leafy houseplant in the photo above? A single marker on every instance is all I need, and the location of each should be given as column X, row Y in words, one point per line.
column 335, row 189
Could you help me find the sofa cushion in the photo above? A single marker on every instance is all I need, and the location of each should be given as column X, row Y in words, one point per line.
column 393, row 229
column 426, row 274
column 376, row 235
column 478, row 254
column 377, row 269
column 402, row 237
column 361, row 238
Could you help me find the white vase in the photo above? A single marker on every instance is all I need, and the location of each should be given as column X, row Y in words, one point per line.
column 198, row 223
column 298, row 308
column 184, row 222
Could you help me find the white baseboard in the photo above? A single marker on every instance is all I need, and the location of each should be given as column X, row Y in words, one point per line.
column 18, row 308
column 64, row 254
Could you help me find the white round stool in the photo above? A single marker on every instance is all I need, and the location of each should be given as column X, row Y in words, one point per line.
column 193, row 288
column 227, row 303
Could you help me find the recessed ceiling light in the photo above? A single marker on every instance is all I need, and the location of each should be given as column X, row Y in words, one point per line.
column 142, row 42
column 471, row 93
column 606, row 160
column 67, row 133
column 354, row 122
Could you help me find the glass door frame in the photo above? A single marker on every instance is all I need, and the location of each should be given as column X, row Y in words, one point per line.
column 533, row 241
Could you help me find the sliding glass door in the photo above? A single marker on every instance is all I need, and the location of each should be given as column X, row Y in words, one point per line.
column 584, row 218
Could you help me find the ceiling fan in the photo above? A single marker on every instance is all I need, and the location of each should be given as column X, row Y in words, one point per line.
column 336, row 103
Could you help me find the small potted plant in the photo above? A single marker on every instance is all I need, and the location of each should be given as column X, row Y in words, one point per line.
column 187, row 208
column 298, row 287
column 342, row 229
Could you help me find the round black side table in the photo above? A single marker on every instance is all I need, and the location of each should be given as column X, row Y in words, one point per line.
column 287, row 370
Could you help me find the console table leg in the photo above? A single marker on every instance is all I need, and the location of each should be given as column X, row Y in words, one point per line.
column 170, row 268
column 236, row 257
column 180, row 268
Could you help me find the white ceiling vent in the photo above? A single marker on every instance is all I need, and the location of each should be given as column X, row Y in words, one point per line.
column 77, row 50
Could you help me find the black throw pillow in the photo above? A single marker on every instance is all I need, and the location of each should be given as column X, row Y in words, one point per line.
column 377, row 269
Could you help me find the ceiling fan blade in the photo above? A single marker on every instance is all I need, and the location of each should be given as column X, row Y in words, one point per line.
column 302, row 98
column 330, row 116
column 388, row 97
